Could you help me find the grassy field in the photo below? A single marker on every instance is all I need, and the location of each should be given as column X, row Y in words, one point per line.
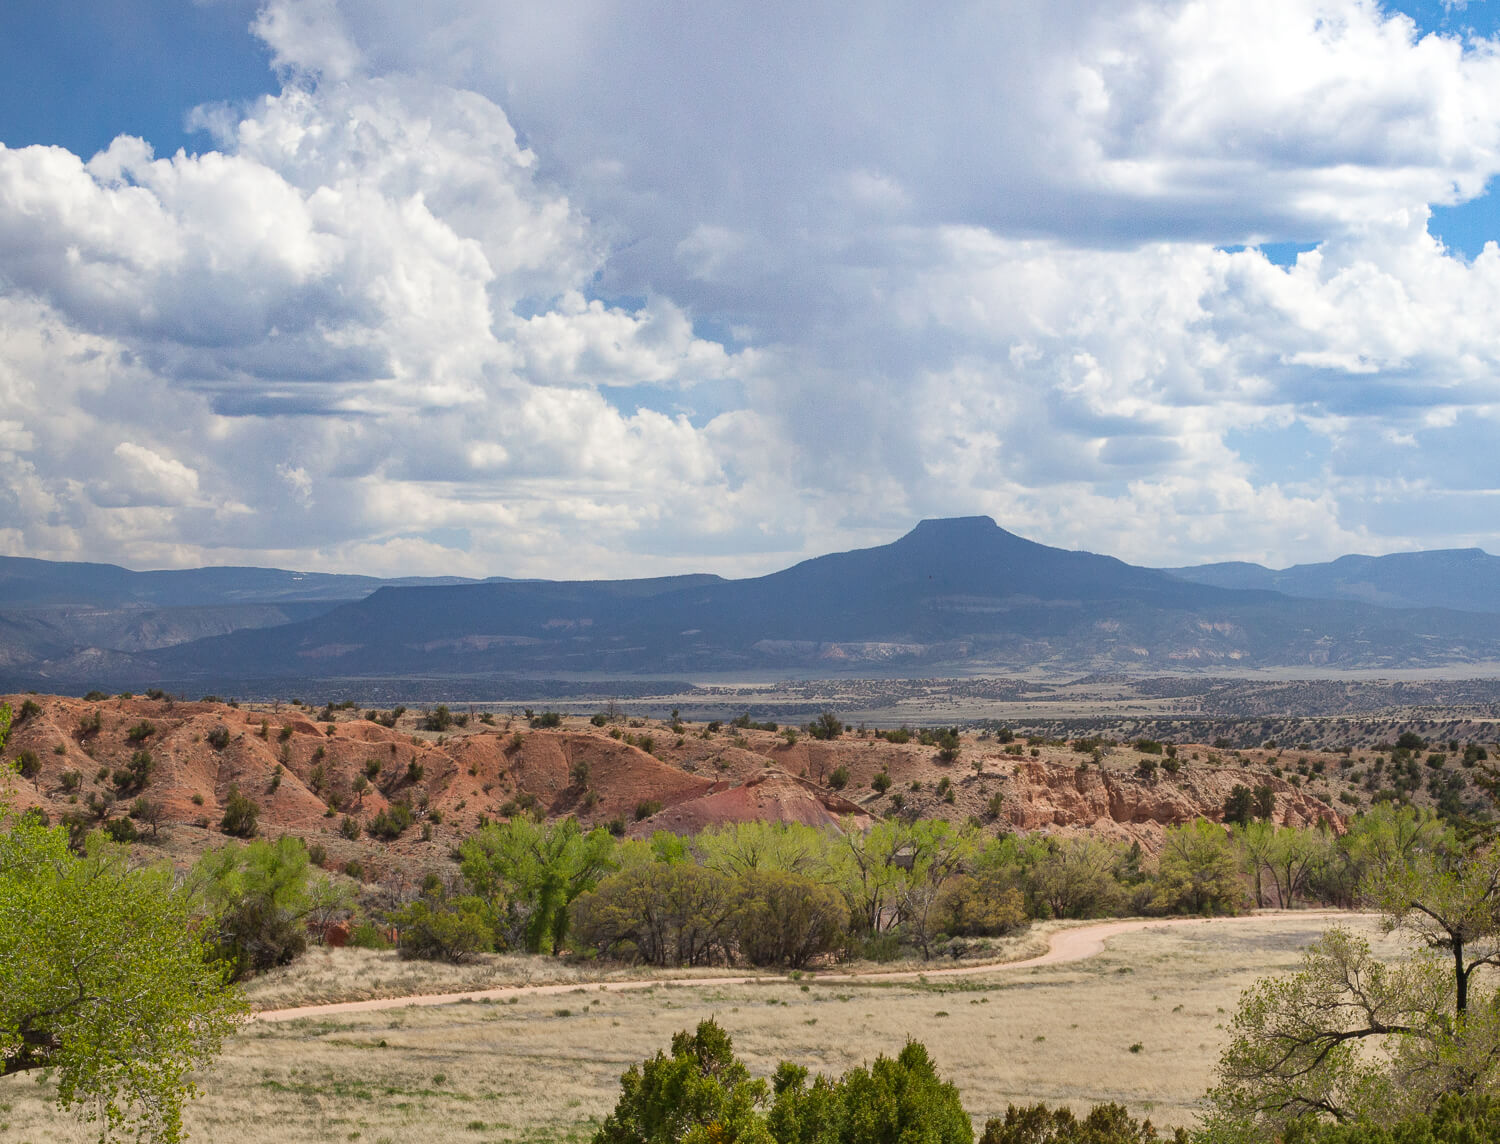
column 1141, row 1024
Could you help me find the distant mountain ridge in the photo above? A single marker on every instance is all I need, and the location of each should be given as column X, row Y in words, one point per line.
column 30, row 583
column 53, row 610
column 1467, row 579
column 950, row 596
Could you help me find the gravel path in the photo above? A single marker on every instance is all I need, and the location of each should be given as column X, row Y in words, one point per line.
column 1066, row 945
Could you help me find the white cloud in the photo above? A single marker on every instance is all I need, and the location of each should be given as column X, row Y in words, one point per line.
column 753, row 283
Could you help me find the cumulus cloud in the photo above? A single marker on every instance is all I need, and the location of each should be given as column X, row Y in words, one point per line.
column 499, row 289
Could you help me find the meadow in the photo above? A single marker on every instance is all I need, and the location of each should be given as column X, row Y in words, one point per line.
column 1142, row 1023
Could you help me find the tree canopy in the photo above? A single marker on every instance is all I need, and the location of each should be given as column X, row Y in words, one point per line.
column 105, row 980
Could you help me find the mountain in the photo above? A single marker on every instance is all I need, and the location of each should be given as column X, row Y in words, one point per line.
column 1467, row 579
column 28, row 583
column 56, row 611
column 954, row 594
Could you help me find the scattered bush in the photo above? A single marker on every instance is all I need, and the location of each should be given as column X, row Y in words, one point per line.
column 241, row 815
column 438, row 719
column 389, row 824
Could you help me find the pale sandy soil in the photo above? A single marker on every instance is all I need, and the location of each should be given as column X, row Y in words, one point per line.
column 541, row 1066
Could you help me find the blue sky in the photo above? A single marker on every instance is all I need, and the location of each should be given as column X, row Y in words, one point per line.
column 566, row 290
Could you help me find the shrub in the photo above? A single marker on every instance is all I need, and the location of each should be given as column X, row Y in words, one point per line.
column 600, row 719
column 367, row 935
column 148, row 811
column 241, row 815
column 28, row 764
column 828, row 725
column 414, row 771
column 29, row 708
column 89, row 725
column 786, row 919
column 438, row 719
column 646, row 808
column 1038, row 1124
column 948, row 746
column 435, row 929
column 881, row 783
column 389, row 824
column 984, row 902
column 350, row 828
column 218, row 738
column 121, row 830
column 839, row 779
column 141, row 731
column 547, row 719
column 135, row 775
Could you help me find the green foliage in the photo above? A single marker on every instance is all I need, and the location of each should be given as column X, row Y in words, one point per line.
column 547, row 719
column 529, row 873
column 1038, row 1124
column 828, row 725
column 218, row 738
column 389, row 824
column 948, row 746
column 367, row 935
column 839, row 779
column 141, row 731
column 1197, row 870
column 700, row 1094
column 664, row 913
column 1239, row 806
column 27, row 764
column 782, row 918
column 646, row 808
column 1353, row 1037
column 986, row 901
column 106, row 981
column 241, row 815
column 434, row 928
column 438, row 719
column 257, row 897
column 881, row 783
column 135, row 775
column 1471, row 1118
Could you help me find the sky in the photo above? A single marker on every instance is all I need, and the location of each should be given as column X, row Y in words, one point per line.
column 594, row 289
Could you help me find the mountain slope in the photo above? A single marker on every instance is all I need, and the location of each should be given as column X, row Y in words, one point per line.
column 1467, row 579
column 961, row 593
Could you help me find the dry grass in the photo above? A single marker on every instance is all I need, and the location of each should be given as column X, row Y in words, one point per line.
column 547, row 1068
column 324, row 976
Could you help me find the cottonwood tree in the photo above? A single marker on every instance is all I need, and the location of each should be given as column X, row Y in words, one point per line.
column 1349, row 1036
column 530, row 873
column 1197, row 869
column 105, row 981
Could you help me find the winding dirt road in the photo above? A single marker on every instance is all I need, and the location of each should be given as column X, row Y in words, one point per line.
column 1063, row 946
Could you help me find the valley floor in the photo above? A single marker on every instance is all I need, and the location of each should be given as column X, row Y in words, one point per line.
column 1141, row 1023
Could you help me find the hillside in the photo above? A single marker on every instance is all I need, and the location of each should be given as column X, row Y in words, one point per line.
column 1467, row 579
column 303, row 769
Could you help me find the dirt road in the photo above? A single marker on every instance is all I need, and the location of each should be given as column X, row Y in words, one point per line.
column 1063, row 946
